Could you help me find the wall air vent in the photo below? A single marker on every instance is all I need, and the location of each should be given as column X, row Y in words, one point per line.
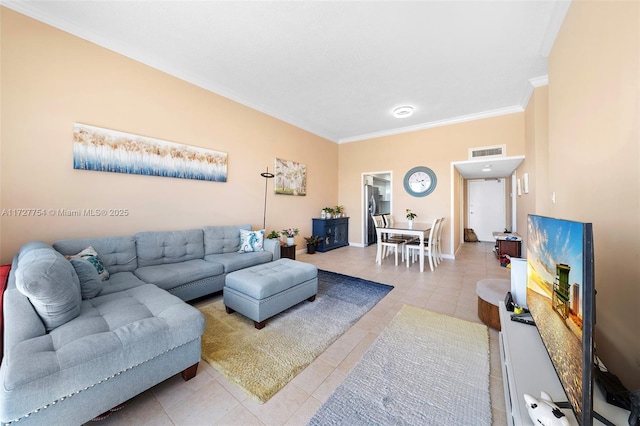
column 488, row 152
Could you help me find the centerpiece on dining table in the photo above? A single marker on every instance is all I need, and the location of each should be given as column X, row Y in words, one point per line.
column 410, row 217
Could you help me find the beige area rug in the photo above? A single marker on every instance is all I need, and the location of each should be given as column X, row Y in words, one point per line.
column 262, row 362
column 424, row 369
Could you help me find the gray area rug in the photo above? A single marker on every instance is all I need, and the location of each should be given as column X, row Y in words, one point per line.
column 424, row 369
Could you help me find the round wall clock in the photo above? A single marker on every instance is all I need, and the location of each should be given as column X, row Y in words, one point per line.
column 420, row 181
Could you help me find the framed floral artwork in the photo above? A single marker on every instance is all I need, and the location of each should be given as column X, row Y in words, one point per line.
column 291, row 177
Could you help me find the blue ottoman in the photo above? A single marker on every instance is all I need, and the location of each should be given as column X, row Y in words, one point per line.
column 262, row 291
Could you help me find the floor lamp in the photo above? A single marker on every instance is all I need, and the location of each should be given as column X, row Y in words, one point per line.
column 266, row 175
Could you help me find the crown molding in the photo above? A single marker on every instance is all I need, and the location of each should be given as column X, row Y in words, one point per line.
column 533, row 83
column 543, row 80
column 432, row 124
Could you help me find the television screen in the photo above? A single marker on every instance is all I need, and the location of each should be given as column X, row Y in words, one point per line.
column 560, row 296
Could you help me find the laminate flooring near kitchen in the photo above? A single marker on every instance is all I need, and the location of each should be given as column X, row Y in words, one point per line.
column 209, row 399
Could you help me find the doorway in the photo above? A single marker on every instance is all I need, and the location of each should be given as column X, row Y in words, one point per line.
column 486, row 207
column 376, row 199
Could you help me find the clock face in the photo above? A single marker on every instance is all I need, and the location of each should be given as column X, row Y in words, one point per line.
column 420, row 181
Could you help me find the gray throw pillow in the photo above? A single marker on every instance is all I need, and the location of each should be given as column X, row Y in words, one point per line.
column 90, row 282
column 51, row 284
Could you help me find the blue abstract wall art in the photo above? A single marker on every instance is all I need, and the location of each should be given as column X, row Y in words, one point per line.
column 105, row 150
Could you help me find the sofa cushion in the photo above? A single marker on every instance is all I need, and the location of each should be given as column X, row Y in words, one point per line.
column 176, row 274
column 158, row 248
column 91, row 255
column 32, row 246
column 251, row 241
column 51, row 284
column 222, row 239
column 117, row 253
column 121, row 281
column 90, row 281
column 234, row 261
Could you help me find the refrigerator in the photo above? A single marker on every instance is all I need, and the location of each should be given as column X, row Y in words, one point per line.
column 371, row 206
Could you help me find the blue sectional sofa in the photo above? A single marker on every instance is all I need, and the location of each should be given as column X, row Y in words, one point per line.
column 90, row 323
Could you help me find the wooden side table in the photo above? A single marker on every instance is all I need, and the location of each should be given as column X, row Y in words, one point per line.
column 288, row 252
column 512, row 248
column 509, row 244
column 490, row 292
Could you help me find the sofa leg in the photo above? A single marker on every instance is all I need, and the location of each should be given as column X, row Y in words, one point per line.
column 260, row 325
column 229, row 310
column 189, row 373
column 312, row 298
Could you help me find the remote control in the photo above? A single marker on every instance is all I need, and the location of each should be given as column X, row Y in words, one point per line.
column 523, row 320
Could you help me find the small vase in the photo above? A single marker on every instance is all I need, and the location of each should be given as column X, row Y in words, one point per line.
column 290, row 241
column 410, row 224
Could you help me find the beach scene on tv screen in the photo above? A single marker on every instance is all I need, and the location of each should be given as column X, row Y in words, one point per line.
column 554, row 296
column 555, row 258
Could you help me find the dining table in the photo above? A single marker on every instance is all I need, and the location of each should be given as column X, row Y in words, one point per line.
column 404, row 228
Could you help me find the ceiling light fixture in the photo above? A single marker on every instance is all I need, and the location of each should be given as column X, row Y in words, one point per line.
column 487, row 168
column 403, row 111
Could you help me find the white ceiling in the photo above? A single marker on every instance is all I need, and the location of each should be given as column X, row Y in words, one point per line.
column 334, row 68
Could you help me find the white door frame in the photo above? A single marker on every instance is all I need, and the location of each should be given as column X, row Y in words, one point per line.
column 483, row 234
column 362, row 195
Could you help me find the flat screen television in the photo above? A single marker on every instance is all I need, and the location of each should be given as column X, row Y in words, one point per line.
column 561, row 299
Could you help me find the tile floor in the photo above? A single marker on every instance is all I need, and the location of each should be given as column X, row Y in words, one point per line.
column 209, row 399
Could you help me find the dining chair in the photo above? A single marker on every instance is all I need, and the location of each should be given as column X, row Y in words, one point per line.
column 438, row 240
column 388, row 222
column 388, row 242
column 413, row 247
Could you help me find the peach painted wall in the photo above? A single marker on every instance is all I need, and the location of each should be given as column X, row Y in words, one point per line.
column 51, row 79
column 594, row 161
column 535, row 163
column 435, row 148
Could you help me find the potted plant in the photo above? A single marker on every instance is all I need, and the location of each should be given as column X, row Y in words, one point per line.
column 410, row 216
column 273, row 235
column 289, row 233
column 328, row 212
column 312, row 243
column 338, row 210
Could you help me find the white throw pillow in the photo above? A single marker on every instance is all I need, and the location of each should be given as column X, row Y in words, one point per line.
column 251, row 241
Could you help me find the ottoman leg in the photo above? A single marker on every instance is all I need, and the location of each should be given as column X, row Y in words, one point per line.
column 229, row 310
column 312, row 298
column 189, row 373
column 260, row 325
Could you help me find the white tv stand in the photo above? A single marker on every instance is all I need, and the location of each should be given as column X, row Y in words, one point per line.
column 526, row 368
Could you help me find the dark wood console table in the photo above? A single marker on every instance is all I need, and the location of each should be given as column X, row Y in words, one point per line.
column 333, row 233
